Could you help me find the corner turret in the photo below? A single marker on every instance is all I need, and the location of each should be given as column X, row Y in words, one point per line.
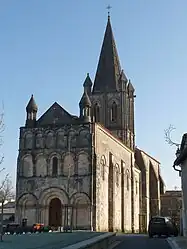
column 88, row 84
column 85, row 107
column 31, row 110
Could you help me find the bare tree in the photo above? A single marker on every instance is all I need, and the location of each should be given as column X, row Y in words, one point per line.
column 1, row 134
column 6, row 194
column 168, row 138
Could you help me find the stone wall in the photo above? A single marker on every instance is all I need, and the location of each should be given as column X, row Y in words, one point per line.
column 39, row 181
column 150, row 186
column 106, row 144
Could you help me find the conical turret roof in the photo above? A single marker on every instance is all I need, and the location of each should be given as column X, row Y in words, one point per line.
column 32, row 105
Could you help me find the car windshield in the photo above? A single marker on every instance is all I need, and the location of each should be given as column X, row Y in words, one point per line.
column 158, row 220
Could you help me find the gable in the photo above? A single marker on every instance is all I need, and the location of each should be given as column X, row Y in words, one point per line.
column 55, row 115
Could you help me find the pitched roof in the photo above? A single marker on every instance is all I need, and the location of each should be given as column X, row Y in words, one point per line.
column 57, row 115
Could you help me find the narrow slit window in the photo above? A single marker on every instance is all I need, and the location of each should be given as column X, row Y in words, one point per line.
column 55, row 166
column 114, row 110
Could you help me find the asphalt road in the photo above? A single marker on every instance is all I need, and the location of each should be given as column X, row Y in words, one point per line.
column 141, row 242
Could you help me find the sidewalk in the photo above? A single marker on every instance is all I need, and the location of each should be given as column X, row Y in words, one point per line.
column 178, row 242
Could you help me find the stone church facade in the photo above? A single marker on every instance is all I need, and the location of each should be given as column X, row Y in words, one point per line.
column 85, row 171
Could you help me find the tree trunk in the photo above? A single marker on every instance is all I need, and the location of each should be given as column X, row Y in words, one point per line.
column 2, row 209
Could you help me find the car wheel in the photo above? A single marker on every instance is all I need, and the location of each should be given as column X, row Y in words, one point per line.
column 150, row 235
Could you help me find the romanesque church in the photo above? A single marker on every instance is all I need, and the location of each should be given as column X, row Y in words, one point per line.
column 85, row 171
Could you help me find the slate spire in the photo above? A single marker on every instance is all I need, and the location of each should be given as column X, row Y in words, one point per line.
column 109, row 69
column 88, row 84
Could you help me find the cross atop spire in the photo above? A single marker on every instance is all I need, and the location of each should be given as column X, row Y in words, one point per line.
column 108, row 8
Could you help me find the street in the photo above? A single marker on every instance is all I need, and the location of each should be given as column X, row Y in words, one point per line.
column 141, row 242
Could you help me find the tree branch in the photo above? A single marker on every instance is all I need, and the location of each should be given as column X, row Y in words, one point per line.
column 168, row 138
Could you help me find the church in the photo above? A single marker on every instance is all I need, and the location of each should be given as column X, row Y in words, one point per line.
column 85, row 171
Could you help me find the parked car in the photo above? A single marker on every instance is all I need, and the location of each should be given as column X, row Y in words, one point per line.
column 11, row 228
column 162, row 226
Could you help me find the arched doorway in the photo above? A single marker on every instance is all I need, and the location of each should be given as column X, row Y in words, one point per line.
column 55, row 213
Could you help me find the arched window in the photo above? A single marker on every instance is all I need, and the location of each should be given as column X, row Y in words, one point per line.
column 55, row 166
column 114, row 110
column 96, row 112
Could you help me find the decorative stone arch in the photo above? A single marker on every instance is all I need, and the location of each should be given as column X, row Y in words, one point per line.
column 76, row 197
column 68, row 163
column 28, row 140
column 27, row 205
column 113, row 109
column 49, row 138
column 27, row 167
column 81, row 210
column 61, row 138
column 48, row 212
column 39, row 140
column 84, row 137
column 41, row 165
column 55, row 164
column 113, row 99
column 71, row 138
column 83, row 163
column 50, row 193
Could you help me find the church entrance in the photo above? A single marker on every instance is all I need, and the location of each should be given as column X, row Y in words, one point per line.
column 55, row 213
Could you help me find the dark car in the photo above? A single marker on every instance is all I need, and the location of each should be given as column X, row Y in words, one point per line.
column 162, row 226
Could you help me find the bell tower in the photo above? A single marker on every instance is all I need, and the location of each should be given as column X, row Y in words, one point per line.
column 113, row 94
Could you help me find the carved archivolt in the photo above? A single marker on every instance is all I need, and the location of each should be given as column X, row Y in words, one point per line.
column 72, row 138
column 80, row 198
column 27, row 200
column 39, row 141
column 28, row 140
column 84, row 136
column 50, row 140
column 50, row 193
column 61, row 140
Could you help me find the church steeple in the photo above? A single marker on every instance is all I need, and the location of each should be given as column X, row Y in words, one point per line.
column 31, row 110
column 109, row 69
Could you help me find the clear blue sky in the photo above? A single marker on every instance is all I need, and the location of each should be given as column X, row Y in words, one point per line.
column 48, row 46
